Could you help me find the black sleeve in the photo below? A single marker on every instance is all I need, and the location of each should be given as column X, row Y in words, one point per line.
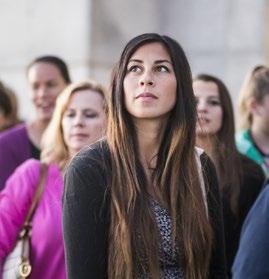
column 217, row 267
column 85, row 221
column 252, row 183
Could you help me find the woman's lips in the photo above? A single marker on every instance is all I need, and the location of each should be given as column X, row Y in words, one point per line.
column 146, row 96
column 80, row 135
column 45, row 107
column 203, row 120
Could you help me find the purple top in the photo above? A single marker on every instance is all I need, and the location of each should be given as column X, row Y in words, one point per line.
column 14, row 150
column 47, row 250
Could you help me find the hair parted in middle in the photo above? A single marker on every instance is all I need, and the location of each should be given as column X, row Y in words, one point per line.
column 54, row 149
column 133, row 233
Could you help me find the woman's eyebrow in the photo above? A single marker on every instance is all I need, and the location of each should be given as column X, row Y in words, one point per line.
column 155, row 62
column 213, row 97
column 162, row 61
column 136, row 60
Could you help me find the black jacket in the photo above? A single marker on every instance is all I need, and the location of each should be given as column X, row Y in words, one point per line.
column 86, row 215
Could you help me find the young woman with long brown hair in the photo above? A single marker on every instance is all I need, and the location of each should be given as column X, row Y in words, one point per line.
column 240, row 179
column 143, row 203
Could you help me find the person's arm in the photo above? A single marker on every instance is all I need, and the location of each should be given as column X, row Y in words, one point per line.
column 217, row 267
column 251, row 260
column 85, row 219
column 252, row 184
column 15, row 202
column 14, row 150
column 8, row 161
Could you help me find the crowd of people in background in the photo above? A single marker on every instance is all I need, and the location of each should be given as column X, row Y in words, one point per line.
column 151, row 177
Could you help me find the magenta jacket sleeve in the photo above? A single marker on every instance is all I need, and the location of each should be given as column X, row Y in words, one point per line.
column 15, row 202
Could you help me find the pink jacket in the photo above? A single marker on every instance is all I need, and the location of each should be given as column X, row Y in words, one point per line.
column 47, row 241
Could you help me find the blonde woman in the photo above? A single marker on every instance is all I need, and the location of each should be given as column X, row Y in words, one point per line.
column 253, row 137
column 79, row 119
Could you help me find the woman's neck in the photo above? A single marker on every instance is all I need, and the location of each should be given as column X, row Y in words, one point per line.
column 149, row 135
column 35, row 131
column 205, row 142
column 260, row 138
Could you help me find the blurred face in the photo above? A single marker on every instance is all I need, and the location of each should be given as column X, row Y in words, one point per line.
column 46, row 83
column 150, row 84
column 208, row 108
column 260, row 113
column 84, row 120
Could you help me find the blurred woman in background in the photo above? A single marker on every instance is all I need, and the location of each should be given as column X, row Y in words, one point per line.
column 253, row 115
column 47, row 77
column 79, row 120
column 240, row 178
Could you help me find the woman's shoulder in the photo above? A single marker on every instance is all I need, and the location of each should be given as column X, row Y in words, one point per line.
column 13, row 133
column 22, row 182
column 249, row 164
column 94, row 155
column 250, row 169
column 29, row 166
column 89, row 170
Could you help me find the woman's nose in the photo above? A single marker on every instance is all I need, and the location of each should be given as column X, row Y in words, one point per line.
column 147, row 79
column 79, row 120
column 41, row 92
column 201, row 106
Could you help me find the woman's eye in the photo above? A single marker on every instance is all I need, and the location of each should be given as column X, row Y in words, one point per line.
column 91, row 115
column 214, row 102
column 70, row 114
column 51, row 84
column 162, row 68
column 35, row 86
column 134, row 69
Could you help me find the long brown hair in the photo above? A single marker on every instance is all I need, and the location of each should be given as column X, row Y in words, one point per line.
column 133, row 234
column 225, row 155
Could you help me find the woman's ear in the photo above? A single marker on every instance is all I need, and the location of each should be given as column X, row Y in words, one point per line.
column 257, row 107
column 254, row 106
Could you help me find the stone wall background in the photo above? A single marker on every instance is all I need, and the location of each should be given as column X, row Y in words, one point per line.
column 221, row 37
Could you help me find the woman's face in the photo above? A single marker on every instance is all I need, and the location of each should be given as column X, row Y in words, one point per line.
column 260, row 113
column 208, row 108
column 150, row 84
column 46, row 82
column 84, row 120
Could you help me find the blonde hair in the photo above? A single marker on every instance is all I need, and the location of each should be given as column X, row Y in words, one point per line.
column 53, row 146
column 255, row 85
